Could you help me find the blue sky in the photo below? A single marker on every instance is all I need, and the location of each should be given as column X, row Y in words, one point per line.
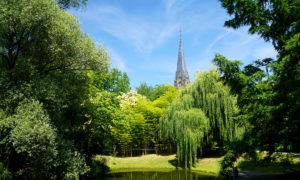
column 142, row 36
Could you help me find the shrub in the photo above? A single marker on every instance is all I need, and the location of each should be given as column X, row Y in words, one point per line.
column 4, row 173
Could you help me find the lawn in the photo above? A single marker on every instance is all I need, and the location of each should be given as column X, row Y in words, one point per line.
column 157, row 163
column 211, row 165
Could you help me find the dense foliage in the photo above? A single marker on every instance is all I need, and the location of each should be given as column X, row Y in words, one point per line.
column 71, row 3
column 61, row 104
column 278, row 22
column 204, row 109
column 139, row 128
column 152, row 92
column 268, row 90
column 44, row 63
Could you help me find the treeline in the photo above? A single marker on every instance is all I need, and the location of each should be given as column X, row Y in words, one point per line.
column 123, row 122
column 137, row 128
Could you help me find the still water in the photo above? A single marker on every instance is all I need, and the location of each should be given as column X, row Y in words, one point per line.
column 188, row 175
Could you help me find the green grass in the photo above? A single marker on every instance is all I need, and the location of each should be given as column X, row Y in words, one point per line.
column 278, row 164
column 141, row 162
column 208, row 165
column 157, row 163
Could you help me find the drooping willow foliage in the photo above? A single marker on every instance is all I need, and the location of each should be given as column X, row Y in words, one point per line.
column 205, row 107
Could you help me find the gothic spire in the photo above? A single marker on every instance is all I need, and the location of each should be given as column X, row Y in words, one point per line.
column 182, row 77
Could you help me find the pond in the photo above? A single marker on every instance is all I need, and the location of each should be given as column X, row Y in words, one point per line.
column 189, row 175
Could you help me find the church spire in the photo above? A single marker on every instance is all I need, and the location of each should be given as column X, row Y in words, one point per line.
column 182, row 76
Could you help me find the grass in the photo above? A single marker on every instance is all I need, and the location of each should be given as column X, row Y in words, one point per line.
column 141, row 162
column 209, row 165
column 278, row 164
column 158, row 163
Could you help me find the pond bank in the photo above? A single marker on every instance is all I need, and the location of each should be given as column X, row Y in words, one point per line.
column 210, row 165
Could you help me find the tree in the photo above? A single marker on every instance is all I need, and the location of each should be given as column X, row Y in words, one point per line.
column 278, row 22
column 275, row 21
column 150, row 128
column 124, row 128
column 34, row 138
column 169, row 94
column 33, row 147
column 115, row 81
column 203, row 109
column 139, row 126
column 65, row 4
column 152, row 93
column 103, row 110
column 254, row 89
column 39, row 43
column 145, row 90
column 46, row 57
column 161, row 90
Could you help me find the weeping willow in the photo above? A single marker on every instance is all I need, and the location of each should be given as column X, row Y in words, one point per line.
column 206, row 106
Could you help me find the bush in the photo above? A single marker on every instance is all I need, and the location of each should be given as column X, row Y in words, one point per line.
column 227, row 162
column 34, row 138
column 233, row 150
column 41, row 153
column 4, row 173
column 98, row 167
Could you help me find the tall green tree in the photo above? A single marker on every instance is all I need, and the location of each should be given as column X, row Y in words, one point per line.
column 139, row 127
column 278, row 22
column 145, row 90
column 115, row 81
column 45, row 56
column 126, row 129
column 254, row 89
column 167, row 94
column 41, row 43
column 153, row 92
column 102, row 110
column 203, row 109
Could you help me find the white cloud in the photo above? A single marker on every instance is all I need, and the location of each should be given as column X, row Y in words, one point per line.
column 169, row 4
column 142, row 34
column 217, row 39
column 240, row 45
column 147, row 33
column 176, row 7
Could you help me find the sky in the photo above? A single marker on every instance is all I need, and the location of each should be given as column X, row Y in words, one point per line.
column 142, row 36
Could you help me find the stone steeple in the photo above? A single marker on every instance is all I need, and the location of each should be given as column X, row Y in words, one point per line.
column 182, row 76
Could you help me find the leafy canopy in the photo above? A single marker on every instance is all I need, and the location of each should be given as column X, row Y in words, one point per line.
column 205, row 108
column 44, row 57
column 277, row 21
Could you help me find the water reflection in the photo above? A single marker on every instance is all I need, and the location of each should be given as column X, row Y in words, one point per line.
column 188, row 175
